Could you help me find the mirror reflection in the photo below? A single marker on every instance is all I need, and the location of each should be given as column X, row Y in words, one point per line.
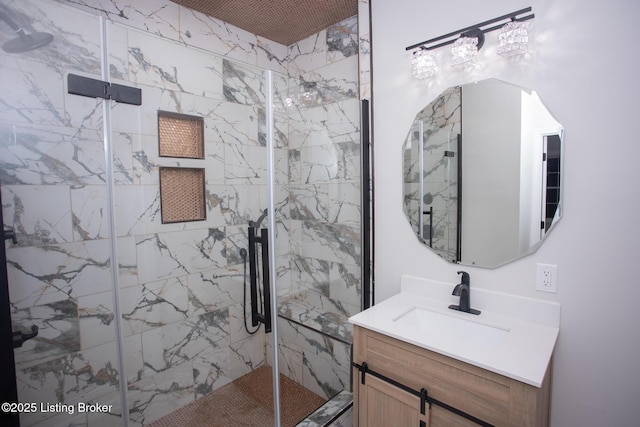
column 482, row 173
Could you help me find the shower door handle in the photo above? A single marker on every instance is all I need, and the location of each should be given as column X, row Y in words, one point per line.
column 258, row 317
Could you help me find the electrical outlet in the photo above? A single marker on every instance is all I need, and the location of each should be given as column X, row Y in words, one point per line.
column 546, row 278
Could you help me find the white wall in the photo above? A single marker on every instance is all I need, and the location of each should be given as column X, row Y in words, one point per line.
column 578, row 67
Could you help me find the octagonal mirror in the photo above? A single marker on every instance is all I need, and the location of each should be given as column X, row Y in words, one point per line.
column 482, row 173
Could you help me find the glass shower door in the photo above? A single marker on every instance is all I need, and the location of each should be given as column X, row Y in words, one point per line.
column 54, row 187
column 194, row 183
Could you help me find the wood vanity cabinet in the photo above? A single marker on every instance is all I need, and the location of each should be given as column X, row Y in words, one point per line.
column 385, row 399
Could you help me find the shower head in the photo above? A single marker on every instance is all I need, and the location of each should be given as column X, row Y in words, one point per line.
column 24, row 42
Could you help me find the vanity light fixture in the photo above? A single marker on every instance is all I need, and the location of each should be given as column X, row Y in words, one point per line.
column 465, row 49
column 513, row 39
column 423, row 64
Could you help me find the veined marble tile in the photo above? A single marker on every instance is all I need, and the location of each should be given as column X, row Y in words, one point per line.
column 89, row 212
column 159, row 17
column 344, row 203
column 323, row 377
column 321, row 163
column 137, row 209
column 179, row 343
column 133, row 358
column 326, row 362
column 165, row 255
column 311, row 274
column 127, row 263
column 282, row 211
column 308, row 127
column 40, row 215
column 58, row 332
column 243, row 84
column 109, row 419
column 212, row 34
column 211, row 371
column 225, row 121
column 272, row 55
column 331, row 242
column 245, row 164
column 215, row 290
column 343, row 120
column 118, row 51
column 335, row 82
column 160, row 394
column 239, row 318
column 81, row 376
column 346, row 286
column 44, row 274
column 290, row 362
column 309, row 202
column 318, row 312
column 247, row 355
column 30, row 98
column 96, row 319
column 342, row 39
column 308, row 54
column 171, row 66
column 329, row 163
column 50, row 155
column 282, row 100
column 122, row 144
column 155, row 304
column 237, row 204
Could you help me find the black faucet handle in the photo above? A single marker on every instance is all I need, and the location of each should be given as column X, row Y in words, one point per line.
column 465, row 280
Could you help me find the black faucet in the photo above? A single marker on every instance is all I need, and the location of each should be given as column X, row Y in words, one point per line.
column 463, row 290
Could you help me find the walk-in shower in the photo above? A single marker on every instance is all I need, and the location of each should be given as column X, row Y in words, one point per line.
column 143, row 306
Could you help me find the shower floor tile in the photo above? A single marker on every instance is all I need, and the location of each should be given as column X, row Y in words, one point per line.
column 247, row 401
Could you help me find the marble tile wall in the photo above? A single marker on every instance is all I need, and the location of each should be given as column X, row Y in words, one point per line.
column 179, row 285
column 441, row 125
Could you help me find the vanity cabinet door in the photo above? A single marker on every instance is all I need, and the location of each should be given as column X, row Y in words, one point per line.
column 382, row 405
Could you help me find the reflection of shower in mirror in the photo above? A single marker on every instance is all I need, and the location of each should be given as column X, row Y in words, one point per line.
column 476, row 188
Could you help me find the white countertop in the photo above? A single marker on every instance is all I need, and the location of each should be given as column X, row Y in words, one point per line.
column 523, row 353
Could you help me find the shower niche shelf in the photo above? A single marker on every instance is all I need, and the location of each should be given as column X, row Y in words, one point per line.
column 182, row 194
column 180, row 135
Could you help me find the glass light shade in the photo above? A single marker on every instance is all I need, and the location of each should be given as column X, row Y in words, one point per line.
column 464, row 52
column 513, row 39
column 424, row 64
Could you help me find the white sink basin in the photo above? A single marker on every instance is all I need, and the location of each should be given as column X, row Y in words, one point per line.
column 453, row 330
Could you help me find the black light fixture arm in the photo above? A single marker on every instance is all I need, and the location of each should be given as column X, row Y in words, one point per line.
column 510, row 16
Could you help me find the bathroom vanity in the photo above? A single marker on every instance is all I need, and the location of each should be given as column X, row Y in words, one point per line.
column 416, row 363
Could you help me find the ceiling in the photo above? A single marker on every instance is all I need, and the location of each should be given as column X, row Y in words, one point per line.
column 283, row 21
